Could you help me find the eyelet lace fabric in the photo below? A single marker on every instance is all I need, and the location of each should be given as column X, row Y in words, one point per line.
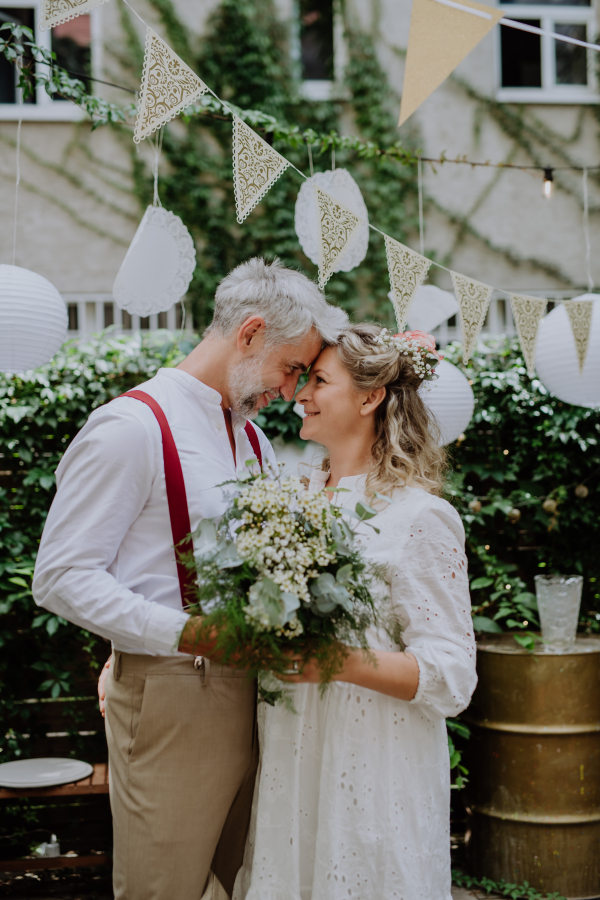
column 353, row 794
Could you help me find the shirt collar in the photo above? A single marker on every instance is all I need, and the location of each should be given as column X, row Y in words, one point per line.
column 194, row 385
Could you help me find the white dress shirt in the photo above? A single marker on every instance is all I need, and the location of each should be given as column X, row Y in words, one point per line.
column 106, row 560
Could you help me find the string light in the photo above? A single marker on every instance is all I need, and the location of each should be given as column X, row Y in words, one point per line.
column 548, row 183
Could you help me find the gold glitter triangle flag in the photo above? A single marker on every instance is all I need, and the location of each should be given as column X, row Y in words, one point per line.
column 337, row 227
column 256, row 167
column 473, row 301
column 168, row 86
column 407, row 270
column 55, row 12
column 580, row 316
column 528, row 313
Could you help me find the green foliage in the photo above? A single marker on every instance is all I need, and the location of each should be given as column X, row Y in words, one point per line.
column 524, row 447
column 37, row 68
column 502, row 888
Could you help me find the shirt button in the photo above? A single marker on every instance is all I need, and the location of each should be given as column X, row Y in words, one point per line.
column 218, row 426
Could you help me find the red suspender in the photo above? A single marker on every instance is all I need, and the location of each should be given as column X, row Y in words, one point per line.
column 253, row 438
column 176, row 495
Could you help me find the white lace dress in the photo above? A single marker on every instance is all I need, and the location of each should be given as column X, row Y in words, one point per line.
column 353, row 793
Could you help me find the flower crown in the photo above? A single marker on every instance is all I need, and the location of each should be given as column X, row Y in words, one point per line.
column 417, row 345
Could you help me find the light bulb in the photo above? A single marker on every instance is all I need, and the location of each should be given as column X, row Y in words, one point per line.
column 548, row 183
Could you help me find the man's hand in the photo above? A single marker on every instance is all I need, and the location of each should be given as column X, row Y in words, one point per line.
column 190, row 641
column 102, row 685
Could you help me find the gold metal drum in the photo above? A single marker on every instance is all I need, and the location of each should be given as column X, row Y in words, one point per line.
column 534, row 760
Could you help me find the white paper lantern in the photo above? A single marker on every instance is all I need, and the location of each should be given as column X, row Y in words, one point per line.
column 430, row 307
column 556, row 357
column 33, row 320
column 343, row 188
column 158, row 266
column 451, row 401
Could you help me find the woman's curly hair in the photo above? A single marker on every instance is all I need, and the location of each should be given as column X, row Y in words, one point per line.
column 406, row 450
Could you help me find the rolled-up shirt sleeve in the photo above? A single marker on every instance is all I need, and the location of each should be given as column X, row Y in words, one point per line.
column 430, row 593
column 103, row 482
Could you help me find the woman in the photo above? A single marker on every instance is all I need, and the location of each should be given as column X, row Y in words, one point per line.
column 352, row 799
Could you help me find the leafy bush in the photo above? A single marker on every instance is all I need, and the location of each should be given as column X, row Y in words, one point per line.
column 524, row 448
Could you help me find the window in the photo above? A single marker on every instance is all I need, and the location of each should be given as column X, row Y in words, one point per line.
column 539, row 69
column 319, row 48
column 76, row 45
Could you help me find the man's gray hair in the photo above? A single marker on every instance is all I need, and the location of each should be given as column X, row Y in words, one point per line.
column 287, row 300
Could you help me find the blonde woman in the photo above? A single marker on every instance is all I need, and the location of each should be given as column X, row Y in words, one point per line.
column 352, row 800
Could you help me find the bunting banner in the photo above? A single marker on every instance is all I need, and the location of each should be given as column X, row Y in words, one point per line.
column 55, row 12
column 528, row 313
column 256, row 167
column 168, row 86
column 473, row 301
column 440, row 37
column 580, row 316
column 407, row 270
column 337, row 227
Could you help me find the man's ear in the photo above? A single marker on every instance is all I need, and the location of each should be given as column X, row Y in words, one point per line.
column 250, row 333
column 372, row 401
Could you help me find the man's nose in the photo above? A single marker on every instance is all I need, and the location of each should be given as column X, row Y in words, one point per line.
column 288, row 388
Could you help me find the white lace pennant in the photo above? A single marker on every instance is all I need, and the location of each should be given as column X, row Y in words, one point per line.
column 407, row 271
column 473, row 301
column 580, row 316
column 168, row 86
column 55, row 12
column 337, row 226
column 528, row 313
column 256, row 167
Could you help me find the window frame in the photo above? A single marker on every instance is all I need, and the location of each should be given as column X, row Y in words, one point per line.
column 45, row 109
column 550, row 92
column 322, row 89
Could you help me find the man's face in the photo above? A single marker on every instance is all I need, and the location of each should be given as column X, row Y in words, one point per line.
column 271, row 373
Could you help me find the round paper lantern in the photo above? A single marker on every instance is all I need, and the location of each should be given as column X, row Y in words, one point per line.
column 343, row 188
column 556, row 357
column 158, row 266
column 33, row 320
column 451, row 401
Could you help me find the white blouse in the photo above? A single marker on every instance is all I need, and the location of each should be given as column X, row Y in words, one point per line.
column 353, row 795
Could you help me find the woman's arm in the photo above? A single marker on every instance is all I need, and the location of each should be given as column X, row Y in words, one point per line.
column 388, row 672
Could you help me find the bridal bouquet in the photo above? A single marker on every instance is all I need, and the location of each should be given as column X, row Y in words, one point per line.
column 280, row 574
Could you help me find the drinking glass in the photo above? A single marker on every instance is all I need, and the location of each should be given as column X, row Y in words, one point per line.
column 559, row 598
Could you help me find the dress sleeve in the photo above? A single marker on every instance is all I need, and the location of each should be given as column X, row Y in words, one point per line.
column 430, row 594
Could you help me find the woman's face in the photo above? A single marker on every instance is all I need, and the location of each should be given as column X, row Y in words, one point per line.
column 331, row 405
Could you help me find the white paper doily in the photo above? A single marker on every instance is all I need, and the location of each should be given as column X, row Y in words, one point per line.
column 343, row 188
column 158, row 266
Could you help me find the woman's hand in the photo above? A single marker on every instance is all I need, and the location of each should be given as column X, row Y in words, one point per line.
column 102, row 685
column 388, row 672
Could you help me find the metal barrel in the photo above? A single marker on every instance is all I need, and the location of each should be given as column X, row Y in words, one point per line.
column 534, row 759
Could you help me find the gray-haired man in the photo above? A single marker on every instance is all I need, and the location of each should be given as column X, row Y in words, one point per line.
column 180, row 739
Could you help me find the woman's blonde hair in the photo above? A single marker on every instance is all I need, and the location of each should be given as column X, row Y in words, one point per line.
column 406, row 449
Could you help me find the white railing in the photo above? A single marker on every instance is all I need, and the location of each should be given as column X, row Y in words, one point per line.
column 92, row 313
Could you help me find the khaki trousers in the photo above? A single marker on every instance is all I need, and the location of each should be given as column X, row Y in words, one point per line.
column 183, row 755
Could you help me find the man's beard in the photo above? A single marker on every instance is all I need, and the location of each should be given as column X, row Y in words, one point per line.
column 246, row 386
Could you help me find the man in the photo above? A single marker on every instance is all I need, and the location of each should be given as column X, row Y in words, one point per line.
column 180, row 738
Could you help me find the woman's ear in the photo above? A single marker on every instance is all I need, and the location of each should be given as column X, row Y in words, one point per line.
column 372, row 401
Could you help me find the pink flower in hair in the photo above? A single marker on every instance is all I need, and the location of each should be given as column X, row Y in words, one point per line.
column 422, row 338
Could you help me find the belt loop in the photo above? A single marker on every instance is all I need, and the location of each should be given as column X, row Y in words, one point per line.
column 118, row 664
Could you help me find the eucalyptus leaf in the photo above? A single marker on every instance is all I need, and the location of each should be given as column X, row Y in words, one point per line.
column 344, row 575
